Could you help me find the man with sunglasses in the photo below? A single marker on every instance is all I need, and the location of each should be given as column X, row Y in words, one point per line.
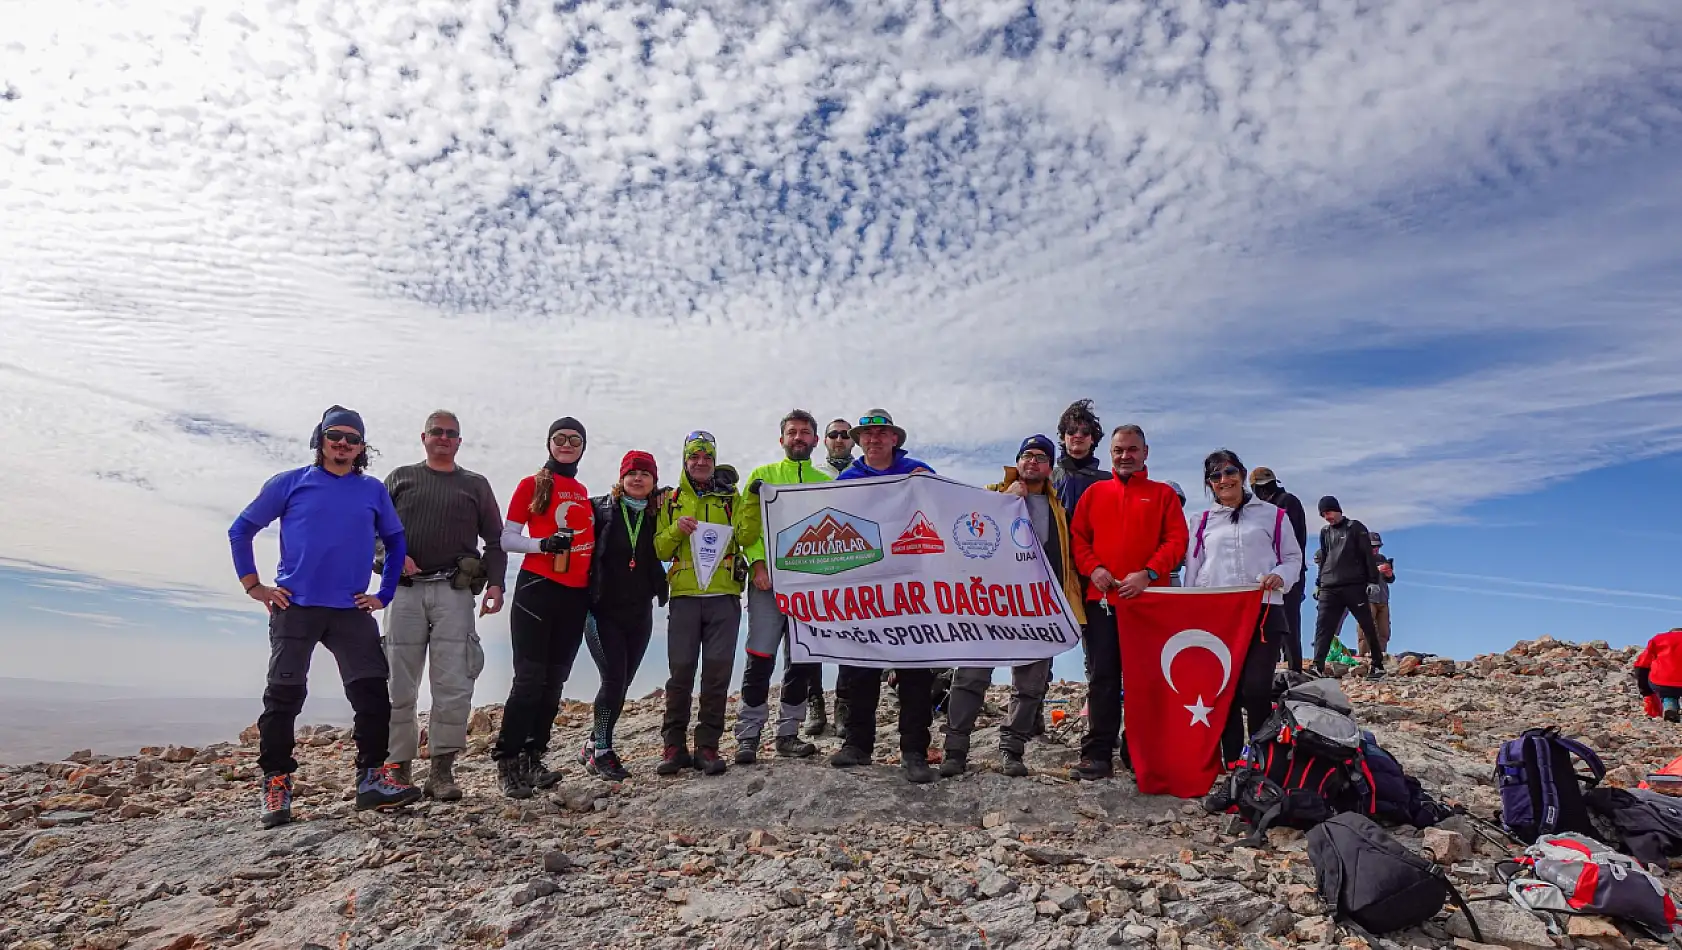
column 446, row 511
column 1077, row 469
column 838, row 444
column 767, row 627
column 860, row 688
column 1030, row 480
column 330, row 512
column 701, row 621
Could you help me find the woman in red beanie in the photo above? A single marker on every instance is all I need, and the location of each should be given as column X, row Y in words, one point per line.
column 626, row 578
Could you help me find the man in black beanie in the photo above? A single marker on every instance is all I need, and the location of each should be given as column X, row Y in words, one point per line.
column 1348, row 574
column 1268, row 489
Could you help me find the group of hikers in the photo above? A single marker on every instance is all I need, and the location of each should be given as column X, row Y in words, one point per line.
column 593, row 568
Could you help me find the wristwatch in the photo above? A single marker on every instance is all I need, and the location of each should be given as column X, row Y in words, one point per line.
column 1152, row 574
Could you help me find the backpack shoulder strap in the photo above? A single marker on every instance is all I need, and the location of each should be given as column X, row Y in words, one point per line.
column 1198, row 550
column 1581, row 751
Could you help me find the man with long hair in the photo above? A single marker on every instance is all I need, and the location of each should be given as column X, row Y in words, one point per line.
column 329, row 514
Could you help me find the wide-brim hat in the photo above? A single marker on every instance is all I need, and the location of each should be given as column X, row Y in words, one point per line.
column 878, row 419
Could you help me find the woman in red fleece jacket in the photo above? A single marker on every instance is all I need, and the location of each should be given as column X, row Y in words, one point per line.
column 1658, row 671
column 1129, row 533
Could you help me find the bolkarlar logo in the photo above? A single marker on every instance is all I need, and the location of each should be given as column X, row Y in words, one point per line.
column 976, row 535
column 829, row 542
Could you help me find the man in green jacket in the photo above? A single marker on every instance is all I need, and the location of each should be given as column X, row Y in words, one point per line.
column 701, row 622
column 767, row 627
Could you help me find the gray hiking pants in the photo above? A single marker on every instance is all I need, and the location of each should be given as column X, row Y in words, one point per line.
column 700, row 637
column 431, row 621
column 969, row 692
column 767, row 628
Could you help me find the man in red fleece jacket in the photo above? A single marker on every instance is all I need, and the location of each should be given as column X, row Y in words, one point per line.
column 1129, row 533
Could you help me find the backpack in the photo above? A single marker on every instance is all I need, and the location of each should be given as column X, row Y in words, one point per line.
column 1574, row 874
column 1541, row 790
column 1373, row 880
column 1304, row 765
column 1398, row 797
column 1642, row 823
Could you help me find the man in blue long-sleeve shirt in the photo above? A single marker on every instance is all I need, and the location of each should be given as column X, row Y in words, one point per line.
column 329, row 513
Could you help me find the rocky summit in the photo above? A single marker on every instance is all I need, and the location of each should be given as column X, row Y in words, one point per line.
column 162, row 850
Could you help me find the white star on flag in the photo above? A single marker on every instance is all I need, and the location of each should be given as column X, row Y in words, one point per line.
column 1200, row 713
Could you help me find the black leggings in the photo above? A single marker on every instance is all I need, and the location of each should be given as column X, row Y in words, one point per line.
column 618, row 637
column 1254, row 699
column 546, row 628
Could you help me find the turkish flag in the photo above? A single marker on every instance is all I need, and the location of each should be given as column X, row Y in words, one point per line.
column 1181, row 653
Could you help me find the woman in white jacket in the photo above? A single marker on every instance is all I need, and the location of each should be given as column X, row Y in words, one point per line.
column 1242, row 542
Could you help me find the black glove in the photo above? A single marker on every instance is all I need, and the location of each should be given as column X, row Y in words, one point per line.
column 556, row 543
column 753, row 486
column 725, row 478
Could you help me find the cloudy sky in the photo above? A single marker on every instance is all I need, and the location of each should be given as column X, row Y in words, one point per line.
column 1424, row 255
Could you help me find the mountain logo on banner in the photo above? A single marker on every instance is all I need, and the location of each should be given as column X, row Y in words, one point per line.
column 829, row 542
column 976, row 534
column 919, row 537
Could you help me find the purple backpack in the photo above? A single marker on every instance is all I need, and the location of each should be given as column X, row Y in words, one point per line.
column 1541, row 789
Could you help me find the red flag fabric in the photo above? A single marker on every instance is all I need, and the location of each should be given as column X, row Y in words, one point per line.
column 1181, row 653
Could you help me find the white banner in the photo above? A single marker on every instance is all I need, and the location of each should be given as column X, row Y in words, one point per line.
column 912, row 571
column 706, row 547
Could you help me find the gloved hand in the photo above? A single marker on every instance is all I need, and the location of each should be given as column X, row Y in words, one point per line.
column 556, row 543
column 1316, row 594
column 753, row 486
column 1374, row 592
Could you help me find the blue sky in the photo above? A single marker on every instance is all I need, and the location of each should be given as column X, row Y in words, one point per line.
column 1423, row 255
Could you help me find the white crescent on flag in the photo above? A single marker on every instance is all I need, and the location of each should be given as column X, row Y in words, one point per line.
column 1195, row 640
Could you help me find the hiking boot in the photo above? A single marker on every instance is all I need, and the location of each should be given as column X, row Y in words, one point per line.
column 588, row 752
column 605, row 765
column 402, row 772
column 1091, row 770
column 1672, row 714
column 794, row 747
column 538, row 775
column 849, row 756
column 276, row 803
column 954, row 765
column 816, row 719
column 511, row 775
column 917, row 769
column 1376, row 673
column 379, row 788
column 441, row 780
column 747, row 753
column 707, row 762
column 1011, row 764
column 1318, row 669
column 674, row 760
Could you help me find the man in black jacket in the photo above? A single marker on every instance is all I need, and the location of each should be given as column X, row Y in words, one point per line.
column 1268, row 489
column 1078, row 431
column 1348, row 575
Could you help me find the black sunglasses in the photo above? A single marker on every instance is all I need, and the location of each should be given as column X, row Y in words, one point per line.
column 560, row 440
column 439, row 432
column 838, row 434
column 334, row 435
column 1231, row 471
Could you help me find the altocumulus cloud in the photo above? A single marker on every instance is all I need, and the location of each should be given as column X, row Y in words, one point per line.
column 218, row 219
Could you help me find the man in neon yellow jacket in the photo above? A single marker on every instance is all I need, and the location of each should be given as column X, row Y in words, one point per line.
column 701, row 623
column 767, row 627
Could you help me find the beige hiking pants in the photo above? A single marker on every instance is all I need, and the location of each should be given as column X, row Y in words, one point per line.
column 431, row 620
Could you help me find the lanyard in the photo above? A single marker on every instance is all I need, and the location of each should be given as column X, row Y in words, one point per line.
column 633, row 529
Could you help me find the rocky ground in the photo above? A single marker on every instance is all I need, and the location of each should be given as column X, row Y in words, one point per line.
column 162, row 849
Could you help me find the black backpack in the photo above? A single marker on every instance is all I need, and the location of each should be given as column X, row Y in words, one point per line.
column 1304, row 765
column 1373, row 880
column 1398, row 798
column 1640, row 822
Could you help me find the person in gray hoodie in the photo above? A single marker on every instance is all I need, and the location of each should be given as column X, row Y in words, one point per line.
column 1348, row 577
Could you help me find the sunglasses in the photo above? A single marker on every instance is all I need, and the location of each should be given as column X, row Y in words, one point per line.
column 700, row 435
column 875, row 421
column 334, row 435
column 1039, row 457
column 561, row 440
column 1083, row 430
column 439, row 432
column 838, row 434
column 1231, row 471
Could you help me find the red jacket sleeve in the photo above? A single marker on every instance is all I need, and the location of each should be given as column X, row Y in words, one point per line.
column 1080, row 534
column 1174, row 536
column 1645, row 660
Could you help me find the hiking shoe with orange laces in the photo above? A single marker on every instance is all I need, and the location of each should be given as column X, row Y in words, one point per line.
column 379, row 788
column 276, row 804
